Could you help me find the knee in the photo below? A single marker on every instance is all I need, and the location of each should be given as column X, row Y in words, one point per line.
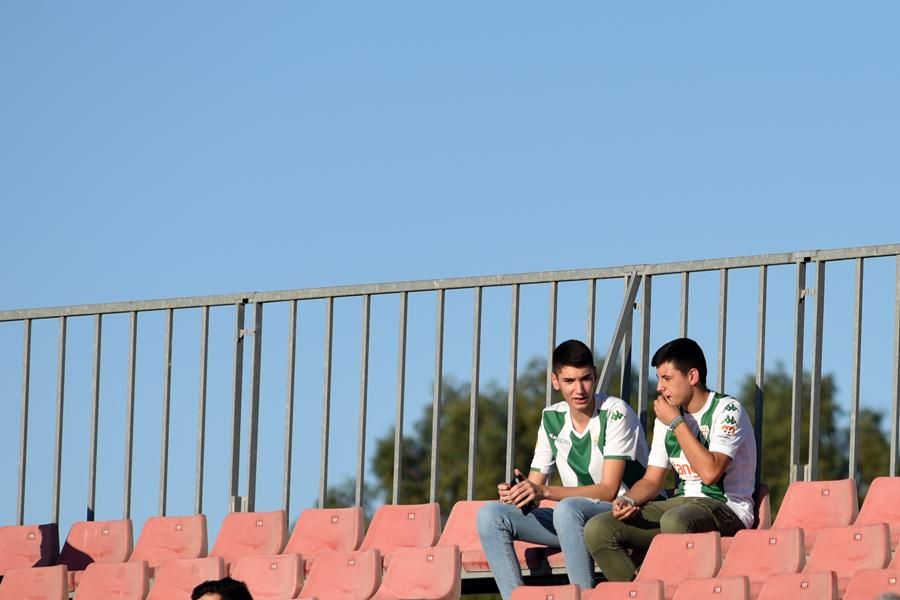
column 566, row 513
column 599, row 532
column 675, row 521
column 491, row 517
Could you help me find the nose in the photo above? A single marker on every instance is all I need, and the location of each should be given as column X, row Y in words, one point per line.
column 659, row 387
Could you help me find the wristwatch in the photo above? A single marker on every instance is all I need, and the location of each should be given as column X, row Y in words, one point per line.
column 627, row 500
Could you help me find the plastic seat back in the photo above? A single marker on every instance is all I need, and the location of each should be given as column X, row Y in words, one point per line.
column 91, row 542
column 800, row 586
column 402, row 526
column 319, row 529
column 846, row 550
column 673, row 557
column 271, row 577
column 714, row 588
column 760, row 553
column 814, row 505
column 873, row 583
column 547, row 592
column 165, row 538
column 881, row 506
column 176, row 578
column 23, row 546
column 250, row 533
column 423, row 573
column 651, row 589
column 35, row 583
column 114, row 581
column 353, row 575
column 762, row 507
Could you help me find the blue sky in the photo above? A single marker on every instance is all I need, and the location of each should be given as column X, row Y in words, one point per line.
column 152, row 150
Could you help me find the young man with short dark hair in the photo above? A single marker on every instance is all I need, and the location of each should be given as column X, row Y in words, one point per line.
column 221, row 589
column 597, row 446
column 707, row 438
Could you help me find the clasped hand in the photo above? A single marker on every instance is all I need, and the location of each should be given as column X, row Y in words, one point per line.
column 522, row 493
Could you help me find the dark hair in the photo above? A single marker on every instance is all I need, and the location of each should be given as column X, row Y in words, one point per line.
column 572, row 353
column 228, row 588
column 685, row 354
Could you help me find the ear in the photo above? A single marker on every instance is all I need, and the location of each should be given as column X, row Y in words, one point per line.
column 694, row 377
column 555, row 381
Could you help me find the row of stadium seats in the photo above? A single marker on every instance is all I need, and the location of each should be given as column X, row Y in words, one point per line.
column 808, row 510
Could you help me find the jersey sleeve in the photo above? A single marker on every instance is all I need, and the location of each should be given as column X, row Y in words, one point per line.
column 658, row 455
column 730, row 427
column 622, row 431
column 543, row 460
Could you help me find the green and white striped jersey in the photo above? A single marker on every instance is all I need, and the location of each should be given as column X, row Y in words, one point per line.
column 722, row 426
column 613, row 432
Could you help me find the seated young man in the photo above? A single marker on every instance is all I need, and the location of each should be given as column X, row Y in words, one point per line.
column 598, row 447
column 708, row 439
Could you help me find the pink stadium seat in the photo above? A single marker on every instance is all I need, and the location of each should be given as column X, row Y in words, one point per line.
column 423, row 573
column 165, row 538
column 350, row 575
column 873, row 583
column 652, row 589
column 250, row 533
column 271, row 577
column 714, row 588
column 320, row 529
column 814, row 505
column 673, row 557
column 402, row 526
column 176, row 578
column 845, row 550
column 881, row 506
column 760, row 553
column 95, row 541
column 35, row 583
column 762, row 514
column 24, row 546
column 110, row 581
column 547, row 592
column 461, row 531
column 800, row 586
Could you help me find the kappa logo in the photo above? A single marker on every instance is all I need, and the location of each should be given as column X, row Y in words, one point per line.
column 617, row 415
column 730, row 420
column 731, row 407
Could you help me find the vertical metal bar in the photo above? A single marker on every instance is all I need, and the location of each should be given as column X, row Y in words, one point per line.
column 201, row 410
column 253, row 429
column 363, row 394
column 401, row 380
column 895, row 406
column 23, row 422
column 95, row 419
column 625, row 367
column 760, row 367
column 166, row 403
column 237, row 391
column 853, row 458
column 723, row 326
column 797, row 388
column 58, row 434
column 473, row 394
column 623, row 322
column 511, row 397
column 644, row 375
column 685, row 297
column 289, row 406
column 129, row 414
column 815, row 388
column 551, row 341
column 438, row 385
column 591, row 314
column 326, row 401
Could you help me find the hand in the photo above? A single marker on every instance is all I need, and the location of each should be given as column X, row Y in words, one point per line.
column 665, row 412
column 623, row 510
column 503, row 492
column 524, row 492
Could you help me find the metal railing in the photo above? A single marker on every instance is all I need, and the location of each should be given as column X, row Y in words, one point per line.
column 637, row 283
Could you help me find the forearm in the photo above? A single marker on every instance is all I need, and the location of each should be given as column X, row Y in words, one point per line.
column 708, row 465
column 599, row 491
column 644, row 491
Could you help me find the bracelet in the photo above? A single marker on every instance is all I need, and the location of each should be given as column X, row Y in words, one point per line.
column 675, row 423
column 628, row 500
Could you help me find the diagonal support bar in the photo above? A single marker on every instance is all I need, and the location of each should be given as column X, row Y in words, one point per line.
column 625, row 314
